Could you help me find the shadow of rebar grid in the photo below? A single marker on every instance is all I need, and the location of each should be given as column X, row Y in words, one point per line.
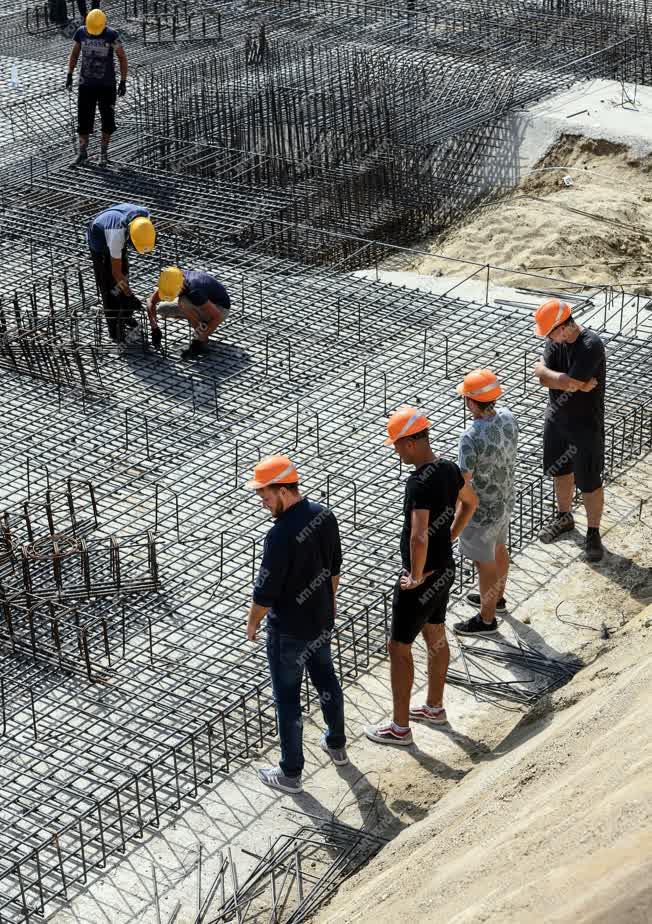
column 277, row 145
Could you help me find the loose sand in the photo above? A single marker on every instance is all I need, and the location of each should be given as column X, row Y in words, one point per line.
column 596, row 230
column 552, row 822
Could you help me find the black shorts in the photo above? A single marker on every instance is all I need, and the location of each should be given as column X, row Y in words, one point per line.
column 580, row 452
column 412, row 609
column 88, row 100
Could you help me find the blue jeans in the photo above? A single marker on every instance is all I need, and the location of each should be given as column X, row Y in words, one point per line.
column 287, row 657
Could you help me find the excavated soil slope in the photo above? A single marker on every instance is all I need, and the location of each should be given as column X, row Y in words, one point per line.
column 556, row 828
column 597, row 230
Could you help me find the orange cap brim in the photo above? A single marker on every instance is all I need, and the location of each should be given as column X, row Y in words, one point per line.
column 390, row 442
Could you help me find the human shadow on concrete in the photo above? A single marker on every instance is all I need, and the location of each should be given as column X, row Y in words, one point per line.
column 633, row 578
column 370, row 801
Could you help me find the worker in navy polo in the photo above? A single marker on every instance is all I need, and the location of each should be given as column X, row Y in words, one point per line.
column 109, row 234
column 296, row 589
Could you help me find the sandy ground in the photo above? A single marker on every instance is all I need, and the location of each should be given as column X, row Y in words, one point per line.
column 596, row 229
column 554, row 822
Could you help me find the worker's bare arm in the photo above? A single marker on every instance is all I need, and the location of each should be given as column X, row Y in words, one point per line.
column 256, row 615
column 122, row 61
column 467, row 502
column 120, row 278
column 559, row 381
column 74, row 57
column 152, row 302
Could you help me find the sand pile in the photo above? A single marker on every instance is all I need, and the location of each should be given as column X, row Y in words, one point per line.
column 558, row 827
column 596, row 230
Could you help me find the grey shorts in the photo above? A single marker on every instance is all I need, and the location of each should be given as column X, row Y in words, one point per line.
column 479, row 542
column 171, row 310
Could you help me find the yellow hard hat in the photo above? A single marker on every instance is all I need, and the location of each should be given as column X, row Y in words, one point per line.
column 170, row 283
column 96, row 22
column 141, row 230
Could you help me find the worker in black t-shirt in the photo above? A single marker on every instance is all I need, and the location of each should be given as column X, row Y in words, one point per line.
column 438, row 505
column 574, row 369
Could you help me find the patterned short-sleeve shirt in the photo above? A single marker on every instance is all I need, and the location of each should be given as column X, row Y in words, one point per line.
column 488, row 450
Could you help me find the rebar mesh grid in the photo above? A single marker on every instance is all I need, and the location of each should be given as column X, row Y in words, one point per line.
column 128, row 545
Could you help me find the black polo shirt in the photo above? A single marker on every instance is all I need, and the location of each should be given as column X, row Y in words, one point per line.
column 302, row 553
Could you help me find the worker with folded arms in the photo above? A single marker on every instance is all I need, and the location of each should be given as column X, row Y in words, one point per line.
column 296, row 588
column 200, row 299
column 97, row 43
column 109, row 234
column 487, row 460
column 438, row 504
column 574, row 369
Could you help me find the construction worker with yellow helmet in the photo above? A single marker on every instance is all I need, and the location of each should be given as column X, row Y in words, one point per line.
column 487, row 459
column 109, row 234
column 574, row 370
column 437, row 506
column 96, row 43
column 189, row 295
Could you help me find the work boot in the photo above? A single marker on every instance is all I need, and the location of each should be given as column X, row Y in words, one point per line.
column 593, row 548
column 560, row 524
column 105, row 160
column 82, row 158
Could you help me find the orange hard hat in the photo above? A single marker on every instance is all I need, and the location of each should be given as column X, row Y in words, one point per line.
column 405, row 422
column 550, row 315
column 480, row 385
column 273, row 470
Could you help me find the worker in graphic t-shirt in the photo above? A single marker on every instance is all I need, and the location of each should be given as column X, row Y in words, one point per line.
column 438, row 505
column 97, row 43
column 200, row 299
column 574, row 369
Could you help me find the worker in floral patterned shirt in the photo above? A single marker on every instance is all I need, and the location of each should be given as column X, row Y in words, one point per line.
column 487, row 459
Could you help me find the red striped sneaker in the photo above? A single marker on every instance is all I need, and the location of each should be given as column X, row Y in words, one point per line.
column 435, row 715
column 388, row 734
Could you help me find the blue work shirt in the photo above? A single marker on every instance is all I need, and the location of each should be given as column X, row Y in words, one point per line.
column 200, row 288
column 110, row 229
column 302, row 553
column 97, row 64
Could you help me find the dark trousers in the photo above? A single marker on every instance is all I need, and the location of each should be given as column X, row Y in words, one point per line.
column 118, row 309
column 95, row 5
column 287, row 657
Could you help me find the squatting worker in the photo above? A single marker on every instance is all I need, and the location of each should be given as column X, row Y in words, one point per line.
column 108, row 237
column 200, row 299
column 574, row 369
column 438, row 505
column 487, row 459
column 96, row 43
column 296, row 589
